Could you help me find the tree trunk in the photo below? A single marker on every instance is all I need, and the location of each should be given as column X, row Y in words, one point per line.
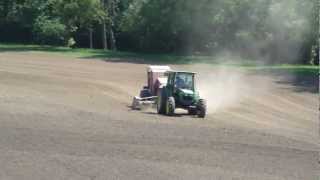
column 91, row 37
column 104, row 30
column 112, row 6
column 112, row 40
column 104, row 36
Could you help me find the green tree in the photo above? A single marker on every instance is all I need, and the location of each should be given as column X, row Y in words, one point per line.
column 314, row 40
column 111, row 7
column 80, row 14
column 49, row 31
column 273, row 30
column 26, row 15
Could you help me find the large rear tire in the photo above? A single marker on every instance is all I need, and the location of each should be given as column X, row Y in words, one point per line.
column 170, row 106
column 161, row 102
column 202, row 108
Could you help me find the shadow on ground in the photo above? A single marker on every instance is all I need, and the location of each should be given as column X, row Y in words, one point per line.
column 175, row 115
column 303, row 83
column 26, row 48
column 108, row 56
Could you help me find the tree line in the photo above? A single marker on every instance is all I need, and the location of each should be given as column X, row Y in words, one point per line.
column 271, row 30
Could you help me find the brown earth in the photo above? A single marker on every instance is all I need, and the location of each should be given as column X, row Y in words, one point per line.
column 69, row 118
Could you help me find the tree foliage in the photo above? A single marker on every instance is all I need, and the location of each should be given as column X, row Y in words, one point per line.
column 49, row 31
column 80, row 13
column 273, row 30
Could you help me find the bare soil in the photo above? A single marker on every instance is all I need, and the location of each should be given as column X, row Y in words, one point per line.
column 69, row 118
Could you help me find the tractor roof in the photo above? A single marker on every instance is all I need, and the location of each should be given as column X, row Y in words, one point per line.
column 174, row 71
column 160, row 69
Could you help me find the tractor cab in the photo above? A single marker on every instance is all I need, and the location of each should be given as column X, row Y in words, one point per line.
column 181, row 80
column 181, row 86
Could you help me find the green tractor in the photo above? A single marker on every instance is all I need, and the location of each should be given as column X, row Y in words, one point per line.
column 180, row 92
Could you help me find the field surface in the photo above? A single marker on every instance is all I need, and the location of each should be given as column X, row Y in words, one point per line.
column 63, row 117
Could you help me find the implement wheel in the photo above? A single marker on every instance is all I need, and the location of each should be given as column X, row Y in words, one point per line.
column 135, row 104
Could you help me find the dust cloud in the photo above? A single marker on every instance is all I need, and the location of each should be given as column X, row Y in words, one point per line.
column 223, row 87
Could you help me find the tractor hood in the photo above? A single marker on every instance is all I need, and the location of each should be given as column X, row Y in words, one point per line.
column 186, row 97
column 187, row 91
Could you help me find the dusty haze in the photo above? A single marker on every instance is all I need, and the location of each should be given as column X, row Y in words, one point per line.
column 222, row 89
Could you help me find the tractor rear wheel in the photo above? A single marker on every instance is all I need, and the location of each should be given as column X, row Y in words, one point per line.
column 202, row 108
column 161, row 102
column 170, row 106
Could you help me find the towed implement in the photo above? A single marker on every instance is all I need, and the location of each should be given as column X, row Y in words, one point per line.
column 156, row 76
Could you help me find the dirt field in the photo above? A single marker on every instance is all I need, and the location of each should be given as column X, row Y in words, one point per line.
column 67, row 118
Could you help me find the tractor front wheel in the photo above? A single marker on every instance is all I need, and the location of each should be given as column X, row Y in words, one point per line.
column 202, row 108
column 170, row 107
